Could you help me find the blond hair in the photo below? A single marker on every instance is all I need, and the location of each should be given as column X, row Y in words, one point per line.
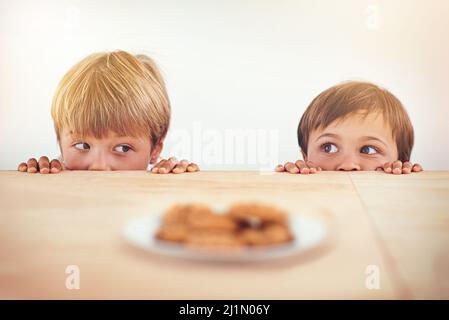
column 353, row 97
column 112, row 91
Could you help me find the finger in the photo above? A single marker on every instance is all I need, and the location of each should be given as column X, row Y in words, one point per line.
column 44, row 165
column 279, row 168
column 156, row 167
column 291, row 168
column 407, row 167
column 302, row 167
column 181, row 167
column 193, row 167
column 168, row 165
column 159, row 165
column 313, row 167
column 397, row 167
column 55, row 166
column 387, row 167
column 22, row 167
column 174, row 160
column 417, row 167
column 32, row 165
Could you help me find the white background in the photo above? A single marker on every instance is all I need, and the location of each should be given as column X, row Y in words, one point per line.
column 230, row 65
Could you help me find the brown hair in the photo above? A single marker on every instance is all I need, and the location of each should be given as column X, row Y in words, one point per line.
column 114, row 91
column 352, row 97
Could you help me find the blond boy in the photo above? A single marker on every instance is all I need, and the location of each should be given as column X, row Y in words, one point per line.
column 354, row 126
column 110, row 111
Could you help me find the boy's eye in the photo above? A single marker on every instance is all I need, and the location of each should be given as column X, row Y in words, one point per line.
column 329, row 148
column 368, row 150
column 82, row 146
column 122, row 148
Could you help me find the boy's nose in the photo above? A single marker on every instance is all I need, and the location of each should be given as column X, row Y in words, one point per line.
column 349, row 168
column 100, row 164
column 348, row 165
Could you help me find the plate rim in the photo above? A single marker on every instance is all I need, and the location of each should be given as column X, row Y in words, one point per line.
column 179, row 251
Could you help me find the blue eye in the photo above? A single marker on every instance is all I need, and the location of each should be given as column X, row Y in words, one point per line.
column 368, row 150
column 329, row 148
column 123, row 148
column 82, row 146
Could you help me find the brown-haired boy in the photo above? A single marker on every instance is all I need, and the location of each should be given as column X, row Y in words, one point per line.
column 111, row 111
column 354, row 126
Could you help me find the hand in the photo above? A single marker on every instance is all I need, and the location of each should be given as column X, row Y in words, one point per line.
column 173, row 165
column 298, row 167
column 43, row 166
column 399, row 167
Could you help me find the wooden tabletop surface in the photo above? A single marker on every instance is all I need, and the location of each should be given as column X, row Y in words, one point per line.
column 398, row 224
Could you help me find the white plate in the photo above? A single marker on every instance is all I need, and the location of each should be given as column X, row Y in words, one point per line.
column 308, row 233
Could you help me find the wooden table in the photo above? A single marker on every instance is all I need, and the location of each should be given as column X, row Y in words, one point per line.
column 400, row 224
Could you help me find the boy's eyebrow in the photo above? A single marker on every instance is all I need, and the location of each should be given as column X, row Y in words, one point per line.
column 332, row 135
column 336, row 136
column 373, row 138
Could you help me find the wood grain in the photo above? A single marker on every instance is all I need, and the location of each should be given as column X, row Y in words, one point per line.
column 398, row 223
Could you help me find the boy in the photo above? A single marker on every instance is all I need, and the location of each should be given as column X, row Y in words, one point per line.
column 354, row 126
column 111, row 112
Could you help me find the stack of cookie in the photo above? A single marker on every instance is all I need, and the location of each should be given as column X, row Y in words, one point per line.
column 244, row 224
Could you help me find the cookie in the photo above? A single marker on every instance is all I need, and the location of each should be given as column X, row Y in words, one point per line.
column 244, row 224
column 252, row 237
column 216, row 222
column 213, row 240
column 276, row 234
column 255, row 214
column 268, row 235
column 183, row 213
column 172, row 232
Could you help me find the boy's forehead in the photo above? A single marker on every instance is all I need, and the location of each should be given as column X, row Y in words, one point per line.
column 365, row 124
column 361, row 119
column 69, row 133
